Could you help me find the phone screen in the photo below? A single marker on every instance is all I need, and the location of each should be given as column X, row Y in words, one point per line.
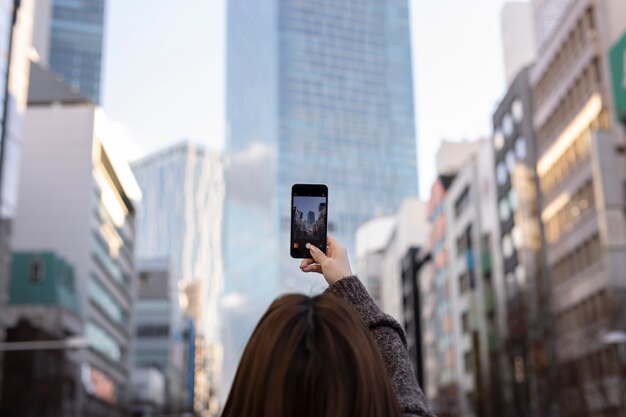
column 309, row 213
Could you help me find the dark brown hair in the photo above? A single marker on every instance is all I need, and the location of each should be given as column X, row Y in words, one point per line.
column 311, row 357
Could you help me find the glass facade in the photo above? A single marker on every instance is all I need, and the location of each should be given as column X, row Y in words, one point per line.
column 317, row 92
column 181, row 214
column 180, row 220
column 76, row 41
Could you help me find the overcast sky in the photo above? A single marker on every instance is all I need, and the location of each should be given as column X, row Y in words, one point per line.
column 164, row 72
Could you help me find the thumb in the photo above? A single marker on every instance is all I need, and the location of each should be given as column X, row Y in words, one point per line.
column 318, row 255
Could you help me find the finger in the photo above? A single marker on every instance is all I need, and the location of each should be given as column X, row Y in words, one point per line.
column 306, row 262
column 317, row 254
column 334, row 246
column 313, row 268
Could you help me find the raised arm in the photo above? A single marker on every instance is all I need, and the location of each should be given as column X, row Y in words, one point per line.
column 387, row 332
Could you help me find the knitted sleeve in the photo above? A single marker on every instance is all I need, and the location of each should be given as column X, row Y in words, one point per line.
column 392, row 344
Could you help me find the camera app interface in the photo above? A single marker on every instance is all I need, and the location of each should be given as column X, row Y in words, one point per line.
column 309, row 222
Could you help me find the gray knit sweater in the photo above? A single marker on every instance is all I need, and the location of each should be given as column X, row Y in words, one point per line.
column 391, row 342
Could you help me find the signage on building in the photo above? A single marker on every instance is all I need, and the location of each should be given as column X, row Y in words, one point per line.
column 98, row 384
column 617, row 57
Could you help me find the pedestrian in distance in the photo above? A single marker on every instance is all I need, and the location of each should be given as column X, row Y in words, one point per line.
column 332, row 355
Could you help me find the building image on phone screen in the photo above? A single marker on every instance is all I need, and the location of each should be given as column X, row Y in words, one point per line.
column 312, row 228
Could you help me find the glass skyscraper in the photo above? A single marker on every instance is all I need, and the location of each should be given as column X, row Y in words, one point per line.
column 69, row 39
column 181, row 219
column 318, row 91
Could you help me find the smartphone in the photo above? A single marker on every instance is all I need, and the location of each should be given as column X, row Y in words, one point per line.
column 309, row 218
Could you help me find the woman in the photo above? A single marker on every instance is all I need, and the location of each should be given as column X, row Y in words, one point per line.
column 333, row 355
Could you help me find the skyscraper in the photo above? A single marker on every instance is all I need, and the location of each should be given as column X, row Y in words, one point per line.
column 317, row 92
column 181, row 217
column 69, row 38
column 518, row 36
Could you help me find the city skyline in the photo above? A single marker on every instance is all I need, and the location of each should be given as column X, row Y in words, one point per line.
column 438, row 89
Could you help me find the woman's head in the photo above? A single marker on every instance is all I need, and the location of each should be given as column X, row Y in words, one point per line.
column 311, row 356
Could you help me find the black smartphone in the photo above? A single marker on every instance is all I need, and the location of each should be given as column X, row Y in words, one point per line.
column 309, row 218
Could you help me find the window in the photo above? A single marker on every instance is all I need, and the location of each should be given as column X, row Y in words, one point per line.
column 501, row 174
column 507, row 246
column 565, row 219
column 144, row 278
column 153, row 330
column 517, row 108
column 465, row 322
column 520, row 148
column 464, row 283
column 36, row 269
column 468, row 359
column 504, row 210
column 516, row 236
column 498, row 139
column 507, row 125
column 512, row 197
column 510, row 160
column 462, row 202
column 100, row 340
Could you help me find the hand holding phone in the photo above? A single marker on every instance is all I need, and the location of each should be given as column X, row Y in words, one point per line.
column 309, row 218
column 334, row 265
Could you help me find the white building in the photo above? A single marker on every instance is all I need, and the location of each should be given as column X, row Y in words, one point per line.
column 518, row 36
column 471, row 225
column 77, row 197
column 410, row 230
column 371, row 240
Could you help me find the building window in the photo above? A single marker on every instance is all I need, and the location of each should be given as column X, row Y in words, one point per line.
column 468, row 359
column 462, row 202
column 517, row 108
column 498, row 139
column 520, row 148
column 577, row 261
column 510, row 160
column 144, row 278
column 507, row 246
column 507, row 125
column 565, row 219
column 465, row 322
column 36, row 269
column 504, row 210
column 464, row 283
column 153, row 330
column 501, row 174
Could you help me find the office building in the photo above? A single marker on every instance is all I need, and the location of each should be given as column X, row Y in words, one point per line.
column 388, row 249
column 440, row 382
column 471, row 225
column 528, row 374
column 318, row 92
column 409, row 231
column 582, row 169
column 457, row 296
column 371, row 240
column 159, row 331
column 181, row 219
column 413, row 261
column 548, row 16
column 518, row 36
column 42, row 307
column 68, row 39
column 15, row 39
column 77, row 197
